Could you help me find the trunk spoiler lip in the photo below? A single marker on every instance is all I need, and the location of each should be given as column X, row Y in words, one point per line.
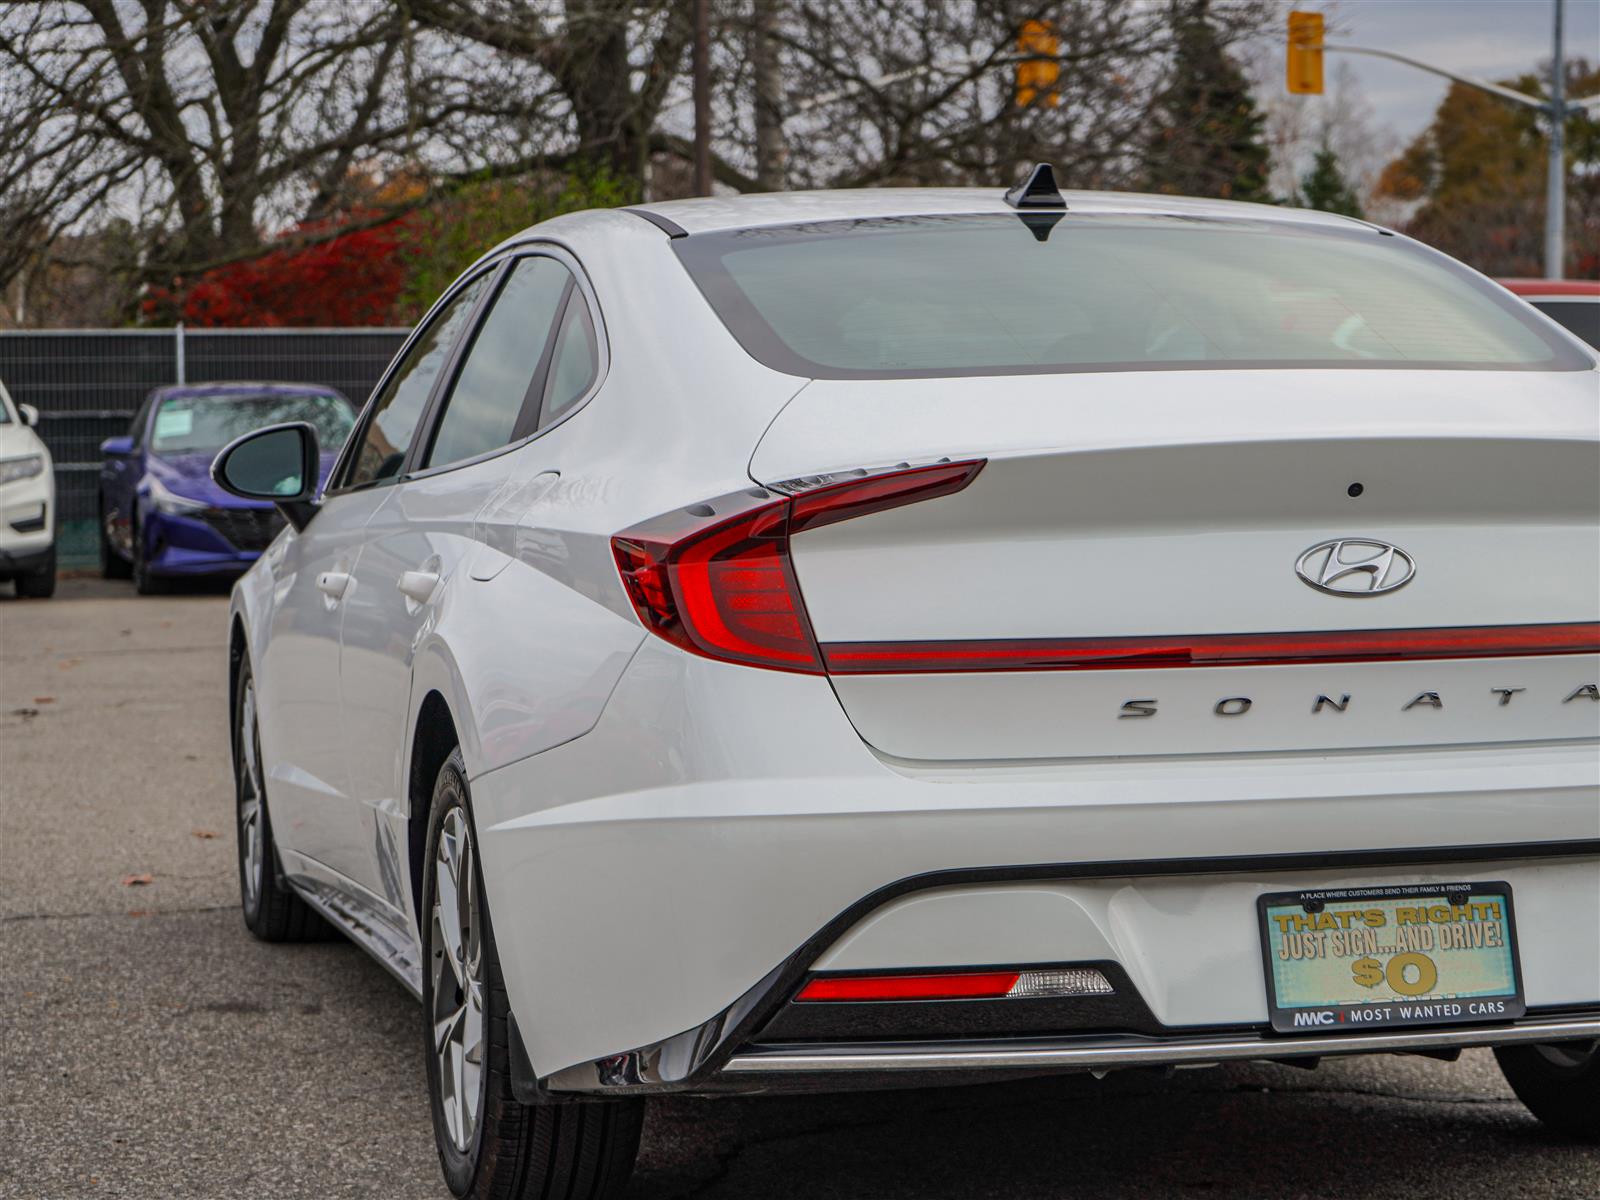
column 1169, row 651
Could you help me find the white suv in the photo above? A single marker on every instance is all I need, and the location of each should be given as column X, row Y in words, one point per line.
column 27, row 502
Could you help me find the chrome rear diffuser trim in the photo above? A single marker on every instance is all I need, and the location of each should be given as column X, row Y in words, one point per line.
column 1113, row 1053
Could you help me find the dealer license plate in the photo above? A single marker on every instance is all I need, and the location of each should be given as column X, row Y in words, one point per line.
column 1365, row 958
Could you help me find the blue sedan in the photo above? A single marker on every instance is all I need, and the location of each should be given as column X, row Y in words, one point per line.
column 161, row 516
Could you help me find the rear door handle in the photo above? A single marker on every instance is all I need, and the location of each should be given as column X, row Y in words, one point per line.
column 418, row 586
column 333, row 584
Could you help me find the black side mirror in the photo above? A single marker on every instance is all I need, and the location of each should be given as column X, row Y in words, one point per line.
column 278, row 463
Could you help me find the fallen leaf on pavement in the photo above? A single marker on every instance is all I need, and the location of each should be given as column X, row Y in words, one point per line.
column 44, row 699
column 205, row 835
column 137, row 880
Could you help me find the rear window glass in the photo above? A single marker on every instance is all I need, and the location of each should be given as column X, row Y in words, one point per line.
column 905, row 297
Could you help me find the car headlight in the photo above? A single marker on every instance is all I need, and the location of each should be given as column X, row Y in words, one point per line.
column 165, row 501
column 12, row 469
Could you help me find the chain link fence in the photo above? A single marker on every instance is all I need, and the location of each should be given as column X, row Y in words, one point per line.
column 87, row 383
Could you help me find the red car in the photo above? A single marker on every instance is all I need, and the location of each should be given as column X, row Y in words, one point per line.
column 1573, row 303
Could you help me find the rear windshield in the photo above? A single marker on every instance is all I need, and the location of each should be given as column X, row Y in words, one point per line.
column 908, row 297
column 189, row 424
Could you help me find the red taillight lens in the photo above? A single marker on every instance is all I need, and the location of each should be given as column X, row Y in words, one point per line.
column 716, row 578
column 1212, row 650
column 967, row 985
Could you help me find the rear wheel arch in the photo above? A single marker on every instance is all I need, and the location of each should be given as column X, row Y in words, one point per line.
column 433, row 739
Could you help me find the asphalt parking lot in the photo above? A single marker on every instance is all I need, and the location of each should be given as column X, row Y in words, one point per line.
column 149, row 1047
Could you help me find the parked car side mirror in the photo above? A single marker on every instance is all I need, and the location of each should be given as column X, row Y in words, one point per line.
column 29, row 415
column 117, row 447
column 278, row 463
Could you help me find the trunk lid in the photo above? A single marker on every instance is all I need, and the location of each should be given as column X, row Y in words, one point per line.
column 1178, row 504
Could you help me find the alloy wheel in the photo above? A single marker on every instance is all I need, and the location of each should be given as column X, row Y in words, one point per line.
column 457, row 944
column 252, row 843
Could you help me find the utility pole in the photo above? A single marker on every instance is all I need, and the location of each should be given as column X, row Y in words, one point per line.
column 1555, row 200
column 702, row 97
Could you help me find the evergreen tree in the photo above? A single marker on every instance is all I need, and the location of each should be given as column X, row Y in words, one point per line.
column 1324, row 187
column 1207, row 133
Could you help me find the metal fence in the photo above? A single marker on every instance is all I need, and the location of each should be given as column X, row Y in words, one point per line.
column 86, row 384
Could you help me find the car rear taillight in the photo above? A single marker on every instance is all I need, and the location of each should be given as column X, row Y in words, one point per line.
column 1023, row 983
column 716, row 578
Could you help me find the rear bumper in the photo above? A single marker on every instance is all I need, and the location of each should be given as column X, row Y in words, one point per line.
column 1115, row 1053
column 661, row 884
column 759, row 1068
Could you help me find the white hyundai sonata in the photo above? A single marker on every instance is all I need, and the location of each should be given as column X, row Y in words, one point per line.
column 849, row 639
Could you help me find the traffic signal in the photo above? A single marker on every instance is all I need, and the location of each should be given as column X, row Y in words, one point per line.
column 1305, row 54
column 1037, row 76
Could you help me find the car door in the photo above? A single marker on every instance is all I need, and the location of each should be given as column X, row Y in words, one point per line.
column 305, row 736
column 427, row 537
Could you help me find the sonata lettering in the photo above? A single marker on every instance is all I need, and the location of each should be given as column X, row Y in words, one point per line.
column 1238, row 706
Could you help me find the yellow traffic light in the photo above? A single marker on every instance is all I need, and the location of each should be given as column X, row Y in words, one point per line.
column 1036, row 77
column 1305, row 54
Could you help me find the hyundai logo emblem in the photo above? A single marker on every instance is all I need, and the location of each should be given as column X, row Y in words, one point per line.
column 1355, row 567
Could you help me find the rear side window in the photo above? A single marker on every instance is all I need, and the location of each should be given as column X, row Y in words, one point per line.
column 497, row 387
column 909, row 297
column 574, row 364
column 396, row 410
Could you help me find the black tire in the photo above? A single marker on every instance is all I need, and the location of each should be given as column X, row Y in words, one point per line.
column 40, row 584
column 146, row 582
column 273, row 911
column 112, row 564
column 1560, row 1084
column 514, row 1151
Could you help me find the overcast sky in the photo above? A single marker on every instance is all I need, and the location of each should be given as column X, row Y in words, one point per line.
column 1491, row 39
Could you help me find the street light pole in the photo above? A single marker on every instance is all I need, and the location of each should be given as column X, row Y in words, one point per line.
column 1555, row 213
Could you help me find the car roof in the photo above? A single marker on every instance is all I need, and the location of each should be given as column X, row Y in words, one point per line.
column 242, row 387
column 711, row 214
column 1553, row 287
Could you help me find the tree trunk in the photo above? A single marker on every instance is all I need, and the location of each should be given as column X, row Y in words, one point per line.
column 772, row 153
column 702, row 97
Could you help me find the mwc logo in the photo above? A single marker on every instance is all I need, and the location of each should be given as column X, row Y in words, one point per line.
column 1314, row 1018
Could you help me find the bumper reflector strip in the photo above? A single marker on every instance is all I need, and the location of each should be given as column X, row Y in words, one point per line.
column 1212, row 650
column 958, row 985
